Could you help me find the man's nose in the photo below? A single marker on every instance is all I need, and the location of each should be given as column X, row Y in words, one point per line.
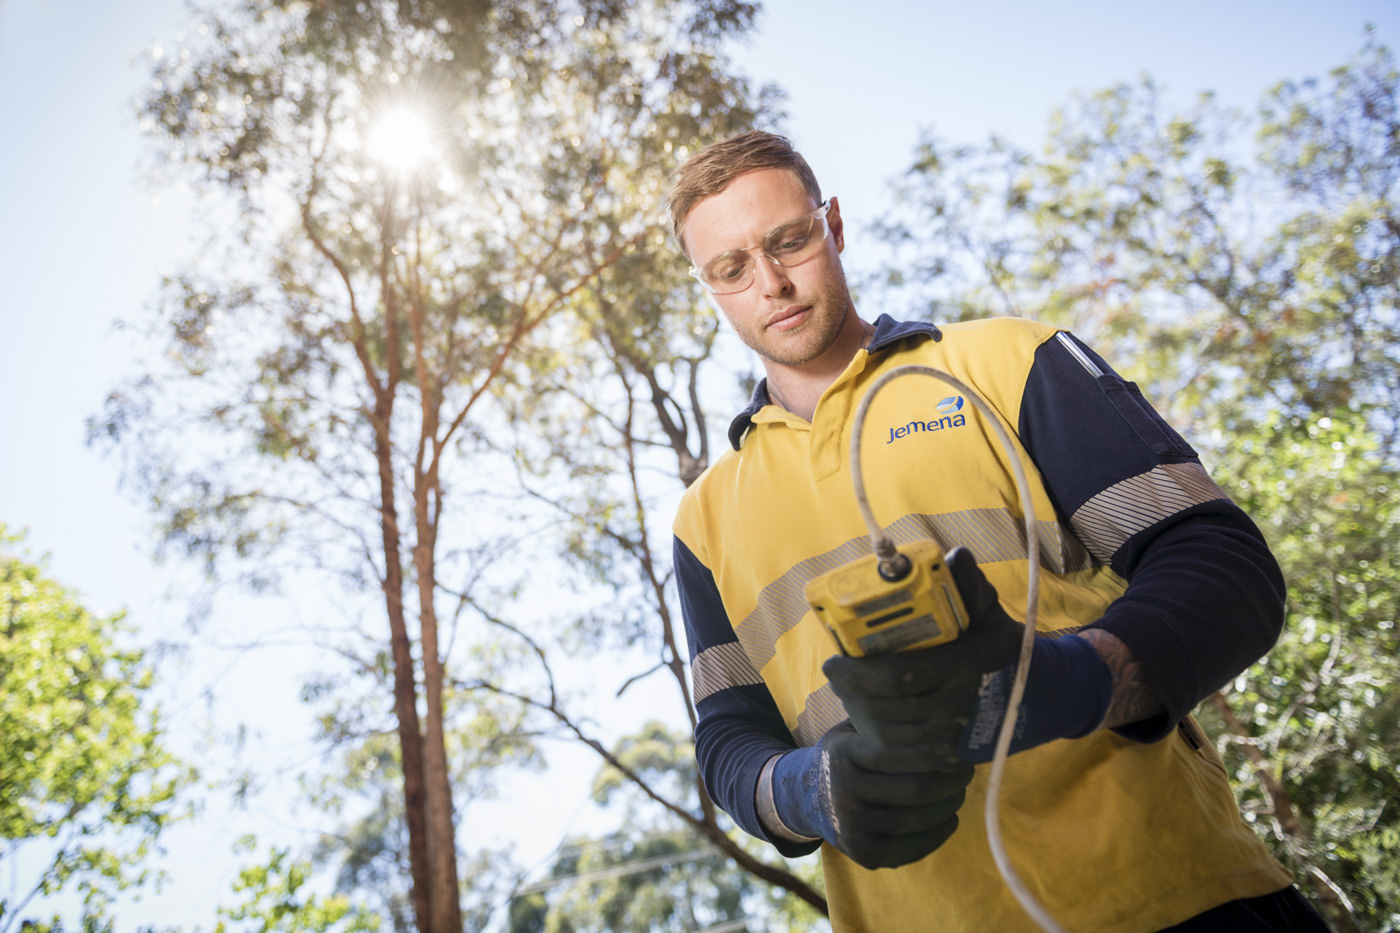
column 772, row 277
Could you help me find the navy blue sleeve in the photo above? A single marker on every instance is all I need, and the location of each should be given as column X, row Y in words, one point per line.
column 1205, row 595
column 739, row 727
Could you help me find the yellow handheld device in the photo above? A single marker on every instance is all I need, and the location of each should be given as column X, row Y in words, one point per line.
column 877, row 604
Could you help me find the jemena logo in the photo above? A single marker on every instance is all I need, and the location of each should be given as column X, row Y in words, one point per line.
column 948, row 414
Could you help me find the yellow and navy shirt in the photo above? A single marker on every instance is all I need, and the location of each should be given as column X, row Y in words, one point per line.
column 1127, row 830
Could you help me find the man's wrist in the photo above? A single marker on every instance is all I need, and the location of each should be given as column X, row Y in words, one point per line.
column 768, row 808
column 1134, row 700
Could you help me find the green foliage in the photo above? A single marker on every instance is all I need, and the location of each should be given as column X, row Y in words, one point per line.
column 625, row 883
column 370, row 847
column 1201, row 264
column 276, row 899
column 655, row 752
column 1322, row 716
column 348, row 280
column 87, row 781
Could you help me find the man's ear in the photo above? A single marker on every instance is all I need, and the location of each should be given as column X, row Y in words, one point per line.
column 833, row 221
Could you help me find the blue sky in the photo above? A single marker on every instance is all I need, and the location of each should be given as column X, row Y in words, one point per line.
column 82, row 243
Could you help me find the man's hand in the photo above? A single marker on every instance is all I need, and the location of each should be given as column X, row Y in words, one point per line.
column 882, row 807
column 938, row 701
column 919, row 701
column 885, row 786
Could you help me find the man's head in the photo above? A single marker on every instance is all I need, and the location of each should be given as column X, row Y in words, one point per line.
column 710, row 171
column 749, row 215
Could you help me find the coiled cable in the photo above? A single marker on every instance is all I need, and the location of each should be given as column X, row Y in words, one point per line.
column 887, row 551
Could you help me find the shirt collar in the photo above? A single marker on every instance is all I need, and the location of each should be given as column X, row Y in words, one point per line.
column 888, row 332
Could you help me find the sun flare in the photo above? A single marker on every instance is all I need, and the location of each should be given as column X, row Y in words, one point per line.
column 401, row 138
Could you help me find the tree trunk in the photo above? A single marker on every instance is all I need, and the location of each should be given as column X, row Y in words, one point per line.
column 416, row 786
column 445, row 906
column 405, row 685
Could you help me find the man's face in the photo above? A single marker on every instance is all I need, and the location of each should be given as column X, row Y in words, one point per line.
column 789, row 316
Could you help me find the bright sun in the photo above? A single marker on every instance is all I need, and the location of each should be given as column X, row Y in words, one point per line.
column 401, row 138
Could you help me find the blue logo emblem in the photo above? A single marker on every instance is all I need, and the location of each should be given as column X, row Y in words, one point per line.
column 950, row 405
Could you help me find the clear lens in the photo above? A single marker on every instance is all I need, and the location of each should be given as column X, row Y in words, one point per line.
column 790, row 244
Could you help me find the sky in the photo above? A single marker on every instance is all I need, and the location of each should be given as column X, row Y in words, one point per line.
column 84, row 243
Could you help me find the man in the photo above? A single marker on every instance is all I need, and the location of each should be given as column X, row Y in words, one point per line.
column 1116, row 813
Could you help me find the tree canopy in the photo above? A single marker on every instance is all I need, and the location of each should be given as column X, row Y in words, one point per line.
column 371, row 329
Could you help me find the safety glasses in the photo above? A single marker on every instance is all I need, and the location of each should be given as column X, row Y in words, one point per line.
column 791, row 243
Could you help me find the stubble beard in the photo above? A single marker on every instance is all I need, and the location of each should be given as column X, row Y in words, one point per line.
column 813, row 337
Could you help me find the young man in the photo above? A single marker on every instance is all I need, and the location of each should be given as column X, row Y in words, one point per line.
column 1116, row 812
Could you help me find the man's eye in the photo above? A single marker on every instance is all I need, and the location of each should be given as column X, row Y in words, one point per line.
column 727, row 271
column 790, row 241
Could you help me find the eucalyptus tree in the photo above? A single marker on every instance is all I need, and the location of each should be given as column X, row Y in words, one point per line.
column 1243, row 270
column 1212, row 250
column 406, row 200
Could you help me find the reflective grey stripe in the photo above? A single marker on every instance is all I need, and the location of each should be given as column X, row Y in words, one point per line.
column 994, row 535
column 822, row 711
column 783, row 602
column 720, row 667
column 1108, row 520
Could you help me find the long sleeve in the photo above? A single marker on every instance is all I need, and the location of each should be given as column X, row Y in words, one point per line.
column 1205, row 595
column 740, row 726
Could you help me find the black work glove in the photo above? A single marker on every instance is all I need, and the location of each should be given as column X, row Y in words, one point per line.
column 881, row 807
column 951, row 698
column 920, row 701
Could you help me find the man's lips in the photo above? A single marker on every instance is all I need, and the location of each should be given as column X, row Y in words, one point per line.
column 788, row 318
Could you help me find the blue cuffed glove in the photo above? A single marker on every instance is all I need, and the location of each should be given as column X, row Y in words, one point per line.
column 881, row 807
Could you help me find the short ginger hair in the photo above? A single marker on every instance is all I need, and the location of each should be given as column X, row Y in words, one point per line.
column 710, row 171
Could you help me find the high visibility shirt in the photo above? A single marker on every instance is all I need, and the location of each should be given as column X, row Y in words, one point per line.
column 1128, row 830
